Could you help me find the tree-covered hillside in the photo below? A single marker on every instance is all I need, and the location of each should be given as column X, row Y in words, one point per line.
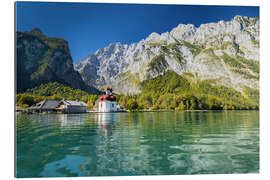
column 172, row 91
column 54, row 91
column 188, row 92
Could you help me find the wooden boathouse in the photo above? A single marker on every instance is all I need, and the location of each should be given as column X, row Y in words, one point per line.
column 64, row 106
column 44, row 106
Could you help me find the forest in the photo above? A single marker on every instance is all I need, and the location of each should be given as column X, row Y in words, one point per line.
column 169, row 91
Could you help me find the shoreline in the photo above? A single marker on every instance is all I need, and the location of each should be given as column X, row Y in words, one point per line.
column 89, row 112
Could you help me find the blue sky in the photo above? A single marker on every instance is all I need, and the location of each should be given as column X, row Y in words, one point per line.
column 90, row 26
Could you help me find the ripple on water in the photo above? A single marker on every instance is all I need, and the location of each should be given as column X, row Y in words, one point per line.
column 137, row 144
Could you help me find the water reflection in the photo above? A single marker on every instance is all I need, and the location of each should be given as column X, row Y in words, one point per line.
column 105, row 144
column 106, row 123
column 71, row 120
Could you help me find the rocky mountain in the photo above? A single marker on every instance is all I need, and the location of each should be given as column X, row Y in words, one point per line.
column 227, row 53
column 41, row 59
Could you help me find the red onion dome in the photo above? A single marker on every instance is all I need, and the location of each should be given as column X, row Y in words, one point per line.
column 107, row 97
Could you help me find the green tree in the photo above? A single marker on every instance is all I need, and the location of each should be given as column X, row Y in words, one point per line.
column 132, row 104
column 180, row 107
column 90, row 105
column 26, row 100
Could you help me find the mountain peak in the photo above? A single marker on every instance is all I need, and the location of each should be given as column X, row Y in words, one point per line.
column 238, row 17
column 184, row 31
column 153, row 37
column 245, row 20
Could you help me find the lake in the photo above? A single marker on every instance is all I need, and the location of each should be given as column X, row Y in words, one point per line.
column 143, row 143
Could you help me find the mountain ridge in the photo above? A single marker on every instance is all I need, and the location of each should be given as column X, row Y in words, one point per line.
column 225, row 51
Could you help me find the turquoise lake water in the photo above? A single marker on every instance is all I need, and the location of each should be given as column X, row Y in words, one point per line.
column 149, row 143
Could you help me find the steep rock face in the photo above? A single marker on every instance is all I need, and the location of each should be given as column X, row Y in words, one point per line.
column 41, row 59
column 226, row 52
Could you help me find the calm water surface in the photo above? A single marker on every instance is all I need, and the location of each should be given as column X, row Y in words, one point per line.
column 151, row 143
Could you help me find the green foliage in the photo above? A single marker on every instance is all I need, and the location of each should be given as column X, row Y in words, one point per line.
column 168, row 83
column 254, row 20
column 174, row 46
column 188, row 74
column 134, row 79
column 231, row 61
column 178, row 57
column 155, row 107
column 146, row 100
column 149, row 52
column 153, row 44
column 172, row 91
column 251, row 64
column 132, row 104
column 58, row 43
column 125, row 74
column 242, row 66
column 208, row 50
column 225, row 45
column 173, row 50
column 165, row 49
column 54, row 91
column 54, row 88
column 245, row 74
column 180, row 107
column 256, row 42
column 228, row 45
column 41, row 70
column 253, row 96
column 90, row 105
column 195, row 49
column 157, row 63
column 27, row 100
column 231, row 46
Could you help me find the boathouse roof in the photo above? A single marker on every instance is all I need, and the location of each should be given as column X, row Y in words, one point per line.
column 74, row 103
column 46, row 104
